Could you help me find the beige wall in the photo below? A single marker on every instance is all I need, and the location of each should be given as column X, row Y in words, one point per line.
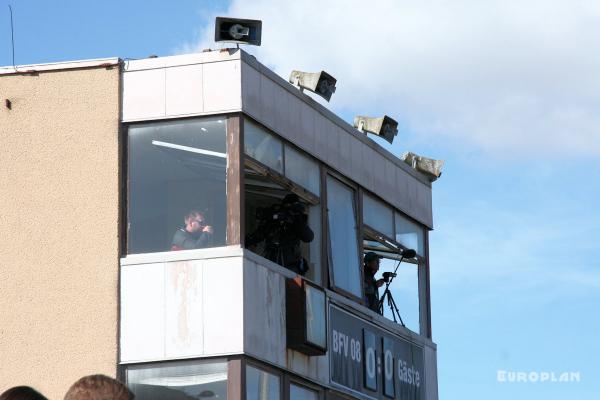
column 59, row 212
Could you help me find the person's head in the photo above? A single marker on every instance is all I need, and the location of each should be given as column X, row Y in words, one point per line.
column 98, row 387
column 22, row 393
column 372, row 261
column 194, row 221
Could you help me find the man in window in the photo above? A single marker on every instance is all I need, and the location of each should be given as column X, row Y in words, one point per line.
column 195, row 234
column 372, row 285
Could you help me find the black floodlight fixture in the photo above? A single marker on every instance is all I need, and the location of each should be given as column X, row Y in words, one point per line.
column 320, row 83
column 428, row 166
column 235, row 30
column 384, row 127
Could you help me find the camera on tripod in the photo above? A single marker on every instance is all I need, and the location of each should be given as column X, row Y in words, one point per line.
column 388, row 275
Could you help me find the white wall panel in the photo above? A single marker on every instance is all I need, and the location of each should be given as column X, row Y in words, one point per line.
column 142, row 312
column 294, row 124
column 222, row 296
column 144, row 94
column 184, row 316
column 282, row 112
column 222, row 86
column 184, row 90
column 333, row 144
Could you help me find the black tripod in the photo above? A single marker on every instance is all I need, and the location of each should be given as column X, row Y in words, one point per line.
column 387, row 295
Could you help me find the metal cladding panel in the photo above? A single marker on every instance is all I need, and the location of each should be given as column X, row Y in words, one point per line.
column 222, row 294
column 264, row 313
column 222, row 86
column 345, row 154
column 307, row 127
column 184, row 90
column 251, row 81
column 321, row 138
column 431, row 381
column 357, row 164
column 144, row 94
column 282, row 113
column 314, row 367
column 183, row 298
column 333, row 144
column 294, row 124
column 267, row 101
column 142, row 312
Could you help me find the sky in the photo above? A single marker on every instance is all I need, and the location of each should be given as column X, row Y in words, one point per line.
column 507, row 93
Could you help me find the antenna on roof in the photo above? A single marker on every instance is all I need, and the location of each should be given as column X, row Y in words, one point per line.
column 12, row 35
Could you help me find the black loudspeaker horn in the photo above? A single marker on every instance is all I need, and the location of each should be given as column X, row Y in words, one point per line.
column 235, row 30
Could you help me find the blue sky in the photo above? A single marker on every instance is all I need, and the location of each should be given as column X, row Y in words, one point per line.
column 507, row 94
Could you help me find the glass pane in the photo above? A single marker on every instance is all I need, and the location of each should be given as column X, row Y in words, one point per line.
column 301, row 393
column 302, row 170
column 405, row 290
column 178, row 380
column 177, row 191
column 342, row 236
column 378, row 216
column 261, row 385
column 315, row 316
column 409, row 234
column 262, row 146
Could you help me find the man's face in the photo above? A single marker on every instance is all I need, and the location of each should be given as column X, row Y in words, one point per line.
column 374, row 265
column 195, row 224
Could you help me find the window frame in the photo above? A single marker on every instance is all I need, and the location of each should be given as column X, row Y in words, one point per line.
column 357, row 208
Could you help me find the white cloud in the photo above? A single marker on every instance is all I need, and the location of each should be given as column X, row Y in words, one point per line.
column 501, row 76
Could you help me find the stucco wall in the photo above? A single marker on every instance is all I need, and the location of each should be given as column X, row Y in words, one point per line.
column 59, row 231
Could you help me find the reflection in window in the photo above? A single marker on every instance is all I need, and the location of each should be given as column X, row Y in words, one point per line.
column 378, row 216
column 316, row 329
column 409, row 234
column 312, row 251
column 298, row 392
column 343, row 237
column 262, row 146
column 405, row 290
column 302, row 170
column 179, row 380
column 176, row 177
column 261, row 385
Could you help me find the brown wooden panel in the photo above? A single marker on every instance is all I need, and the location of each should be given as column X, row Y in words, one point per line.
column 235, row 180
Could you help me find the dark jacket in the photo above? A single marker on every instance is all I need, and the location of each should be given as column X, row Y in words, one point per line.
column 184, row 240
column 371, row 290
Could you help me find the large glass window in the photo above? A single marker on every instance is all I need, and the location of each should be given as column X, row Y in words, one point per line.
column 343, row 237
column 302, row 170
column 262, row 146
column 261, row 385
column 179, row 380
column 298, row 392
column 378, row 216
column 409, row 234
column 404, row 289
column 177, row 189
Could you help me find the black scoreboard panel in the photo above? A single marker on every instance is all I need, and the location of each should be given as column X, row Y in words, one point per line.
column 367, row 359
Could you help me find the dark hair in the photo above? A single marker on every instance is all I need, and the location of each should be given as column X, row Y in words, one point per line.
column 98, row 387
column 22, row 393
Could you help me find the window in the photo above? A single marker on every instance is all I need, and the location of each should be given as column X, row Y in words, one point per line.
column 287, row 172
column 409, row 234
column 188, row 379
column 262, row 146
column 261, row 385
column 316, row 321
column 177, row 169
column 404, row 289
column 302, row 170
column 298, row 392
column 378, row 216
column 341, row 216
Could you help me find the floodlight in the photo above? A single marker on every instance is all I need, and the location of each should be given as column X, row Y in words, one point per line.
column 384, row 127
column 428, row 166
column 320, row 83
column 235, row 30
